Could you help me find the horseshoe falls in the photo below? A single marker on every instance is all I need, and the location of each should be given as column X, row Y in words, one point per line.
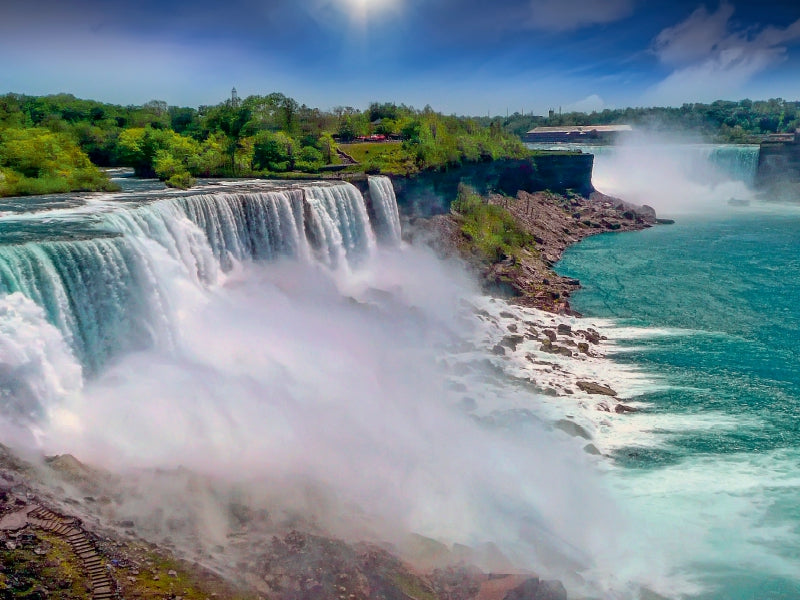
column 672, row 177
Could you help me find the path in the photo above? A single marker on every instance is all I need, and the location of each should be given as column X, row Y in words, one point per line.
column 70, row 529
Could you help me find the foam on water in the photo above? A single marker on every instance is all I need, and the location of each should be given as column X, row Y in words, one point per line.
column 713, row 467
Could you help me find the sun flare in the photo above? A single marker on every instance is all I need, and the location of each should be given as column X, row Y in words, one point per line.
column 363, row 10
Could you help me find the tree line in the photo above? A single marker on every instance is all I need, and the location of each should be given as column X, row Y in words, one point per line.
column 55, row 143
column 745, row 121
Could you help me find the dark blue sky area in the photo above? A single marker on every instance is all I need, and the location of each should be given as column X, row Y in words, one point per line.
column 463, row 56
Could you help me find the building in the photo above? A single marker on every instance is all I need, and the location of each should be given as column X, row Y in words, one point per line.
column 581, row 134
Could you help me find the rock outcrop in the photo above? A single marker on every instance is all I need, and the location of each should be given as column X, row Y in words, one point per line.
column 555, row 221
column 431, row 192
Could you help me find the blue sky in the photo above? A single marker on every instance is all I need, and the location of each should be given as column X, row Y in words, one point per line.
column 461, row 56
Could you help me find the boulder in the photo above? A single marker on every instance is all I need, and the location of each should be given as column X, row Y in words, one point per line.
column 573, row 429
column 512, row 341
column 595, row 388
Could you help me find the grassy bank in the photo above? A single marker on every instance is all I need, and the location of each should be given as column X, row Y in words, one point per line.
column 492, row 231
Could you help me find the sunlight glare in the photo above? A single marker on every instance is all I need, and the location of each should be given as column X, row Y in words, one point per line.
column 363, row 10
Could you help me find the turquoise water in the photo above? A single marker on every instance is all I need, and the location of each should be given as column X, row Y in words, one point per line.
column 716, row 467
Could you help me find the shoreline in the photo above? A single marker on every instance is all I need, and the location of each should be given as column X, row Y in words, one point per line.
column 556, row 222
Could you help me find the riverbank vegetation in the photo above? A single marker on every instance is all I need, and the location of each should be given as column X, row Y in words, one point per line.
column 55, row 143
column 491, row 230
column 39, row 161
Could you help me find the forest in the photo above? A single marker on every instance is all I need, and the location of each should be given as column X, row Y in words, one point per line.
column 731, row 122
column 56, row 143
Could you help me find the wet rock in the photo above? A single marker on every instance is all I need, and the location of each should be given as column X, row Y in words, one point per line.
column 624, row 408
column 499, row 350
column 507, row 315
column 595, row 388
column 512, row 341
column 583, row 347
column 591, row 336
column 551, row 348
column 572, row 428
column 535, row 589
column 564, row 329
column 551, row 335
column 591, row 449
column 512, row 328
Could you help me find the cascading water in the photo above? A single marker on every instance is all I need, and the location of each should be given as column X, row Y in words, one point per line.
column 384, row 204
column 338, row 224
column 738, row 162
column 106, row 293
column 670, row 171
column 361, row 373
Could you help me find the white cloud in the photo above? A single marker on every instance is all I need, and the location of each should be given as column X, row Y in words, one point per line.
column 567, row 15
column 711, row 59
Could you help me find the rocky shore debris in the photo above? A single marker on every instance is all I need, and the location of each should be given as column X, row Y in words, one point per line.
column 595, row 388
column 555, row 222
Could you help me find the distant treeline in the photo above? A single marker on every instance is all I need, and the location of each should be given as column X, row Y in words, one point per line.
column 745, row 121
column 54, row 143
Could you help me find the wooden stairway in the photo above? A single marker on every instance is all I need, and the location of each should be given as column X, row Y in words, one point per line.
column 70, row 529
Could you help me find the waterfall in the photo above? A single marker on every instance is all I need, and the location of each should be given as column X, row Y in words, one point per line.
column 384, row 203
column 339, row 224
column 108, row 292
column 102, row 294
column 740, row 162
column 734, row 161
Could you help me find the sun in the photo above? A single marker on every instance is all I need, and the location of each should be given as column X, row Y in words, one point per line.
column 364, row 10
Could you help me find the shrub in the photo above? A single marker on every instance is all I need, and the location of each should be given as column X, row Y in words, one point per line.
column 492, row 229
column 182, row 180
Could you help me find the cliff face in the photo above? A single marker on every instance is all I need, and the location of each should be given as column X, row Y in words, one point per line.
column 431, row 193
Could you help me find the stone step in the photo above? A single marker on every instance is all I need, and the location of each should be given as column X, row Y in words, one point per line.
column 102, row 589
